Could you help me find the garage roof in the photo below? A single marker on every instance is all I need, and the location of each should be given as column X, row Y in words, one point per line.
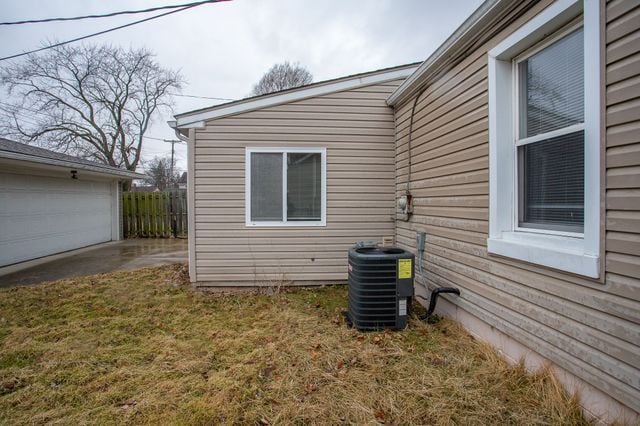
column 13, row 150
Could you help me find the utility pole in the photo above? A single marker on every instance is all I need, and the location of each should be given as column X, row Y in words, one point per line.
column 172, row 142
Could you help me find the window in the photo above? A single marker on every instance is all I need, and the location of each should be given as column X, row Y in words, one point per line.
column 285, row 187
column 550, row 135
column 544, row 140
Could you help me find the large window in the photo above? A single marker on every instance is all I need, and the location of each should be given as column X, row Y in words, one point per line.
column 285, row 187
column 544, row 140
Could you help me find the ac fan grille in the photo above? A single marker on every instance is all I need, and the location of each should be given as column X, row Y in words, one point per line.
column 372, row 294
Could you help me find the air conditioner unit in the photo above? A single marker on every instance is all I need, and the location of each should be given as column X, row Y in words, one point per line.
column 380, row 287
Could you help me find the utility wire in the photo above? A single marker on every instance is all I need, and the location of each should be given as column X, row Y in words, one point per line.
column 201, row 97
column 20, row 107
column 106, row 15
column 12, row 115
column 155, row 139
column 5, row 109
column 108, row 30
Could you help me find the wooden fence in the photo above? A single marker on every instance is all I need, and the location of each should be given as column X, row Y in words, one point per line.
column 154, row 214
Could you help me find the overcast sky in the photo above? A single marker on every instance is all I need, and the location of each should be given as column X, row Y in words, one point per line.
column 222, row 49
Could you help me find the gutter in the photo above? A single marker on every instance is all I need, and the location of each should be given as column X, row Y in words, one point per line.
column 174, row 125
column 71, row 165
column 474, row 31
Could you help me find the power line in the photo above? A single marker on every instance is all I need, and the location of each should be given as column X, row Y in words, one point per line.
column 4, row 108
column 156, row 151
column 8, row 114
column 109, row 30
column 10, row 105
column 8, row 108
column 201, row 97
column 106, row 15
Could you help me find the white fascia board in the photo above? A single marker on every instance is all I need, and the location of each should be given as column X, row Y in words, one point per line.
column 196, row 119
column 49, row 162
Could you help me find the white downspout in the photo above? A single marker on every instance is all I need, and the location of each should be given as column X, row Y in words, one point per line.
column 190, row 200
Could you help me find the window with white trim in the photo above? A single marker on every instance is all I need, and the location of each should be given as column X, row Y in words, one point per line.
column 285, row 186
column 544, row 140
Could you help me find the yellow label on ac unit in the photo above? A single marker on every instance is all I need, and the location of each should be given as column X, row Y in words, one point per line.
column 404, row 268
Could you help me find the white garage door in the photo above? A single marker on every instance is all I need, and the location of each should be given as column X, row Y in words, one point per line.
column 41, row 215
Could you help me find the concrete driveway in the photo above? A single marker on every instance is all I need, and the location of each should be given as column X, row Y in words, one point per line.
column 116, row 256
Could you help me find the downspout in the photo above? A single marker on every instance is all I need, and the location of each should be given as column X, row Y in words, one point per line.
column 190, row 205
column 174, row 125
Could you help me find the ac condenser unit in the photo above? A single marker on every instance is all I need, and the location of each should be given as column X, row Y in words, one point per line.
column 380, row 287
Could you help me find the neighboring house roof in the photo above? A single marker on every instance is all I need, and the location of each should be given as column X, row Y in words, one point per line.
column 196, row 117
column 481, row 26
column 13, row 150
column 183, row 178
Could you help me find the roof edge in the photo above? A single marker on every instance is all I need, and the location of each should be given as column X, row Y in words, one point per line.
column 112, row 171
column 469, row 31
column 196, row 117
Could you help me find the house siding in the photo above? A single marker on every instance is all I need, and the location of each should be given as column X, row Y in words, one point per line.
column 357, row 129
column 623, row 143
column 590, row 328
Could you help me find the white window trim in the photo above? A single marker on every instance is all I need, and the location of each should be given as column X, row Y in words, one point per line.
column 575, row 253
column 284, row 151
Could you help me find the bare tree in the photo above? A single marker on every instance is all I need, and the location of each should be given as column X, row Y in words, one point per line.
column 280, row 77
column 159, row 173
column 96, row 102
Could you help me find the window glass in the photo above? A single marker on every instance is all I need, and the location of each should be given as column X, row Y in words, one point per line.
column 552, row 87
column 266, row 186
column 304, row 193
column 551, row 170
column 289, row 192
column 552, row 183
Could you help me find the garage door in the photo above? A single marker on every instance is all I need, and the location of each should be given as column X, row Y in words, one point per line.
column 40, row 215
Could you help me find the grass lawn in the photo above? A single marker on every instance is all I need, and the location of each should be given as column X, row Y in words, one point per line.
column 142, row 347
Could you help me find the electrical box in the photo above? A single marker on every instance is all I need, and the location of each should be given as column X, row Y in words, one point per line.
column 421, row 238
column 405, row 204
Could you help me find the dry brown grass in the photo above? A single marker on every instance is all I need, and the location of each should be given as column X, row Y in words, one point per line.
column 135, row 347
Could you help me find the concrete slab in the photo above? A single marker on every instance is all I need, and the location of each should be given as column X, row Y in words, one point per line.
column 118, row 256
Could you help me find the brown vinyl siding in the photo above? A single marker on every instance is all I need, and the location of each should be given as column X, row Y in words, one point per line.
column 623, row 142
column 357, row 129
column 591, row 328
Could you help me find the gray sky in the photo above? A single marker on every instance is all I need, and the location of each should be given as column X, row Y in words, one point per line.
column 222, row 49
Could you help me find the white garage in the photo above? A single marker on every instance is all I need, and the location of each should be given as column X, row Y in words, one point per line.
column 52, row 203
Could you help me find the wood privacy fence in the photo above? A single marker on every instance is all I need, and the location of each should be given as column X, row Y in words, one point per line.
column 154, row 214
